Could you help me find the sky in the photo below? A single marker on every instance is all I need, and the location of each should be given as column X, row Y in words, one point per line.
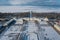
column 29, row 2
column 15, row 5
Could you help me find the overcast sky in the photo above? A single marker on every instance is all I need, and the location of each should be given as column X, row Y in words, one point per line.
column 29, row 2
column 24, row 5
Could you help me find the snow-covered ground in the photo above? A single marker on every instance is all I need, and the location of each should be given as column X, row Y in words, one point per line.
column 31, row 32
column 12, row 32
column 49, row 32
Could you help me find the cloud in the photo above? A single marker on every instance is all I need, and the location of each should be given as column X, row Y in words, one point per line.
column 27, row 9
column 15, row 2
column 29, row 2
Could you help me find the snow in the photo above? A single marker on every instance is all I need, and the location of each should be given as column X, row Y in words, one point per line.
column 32, row 32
